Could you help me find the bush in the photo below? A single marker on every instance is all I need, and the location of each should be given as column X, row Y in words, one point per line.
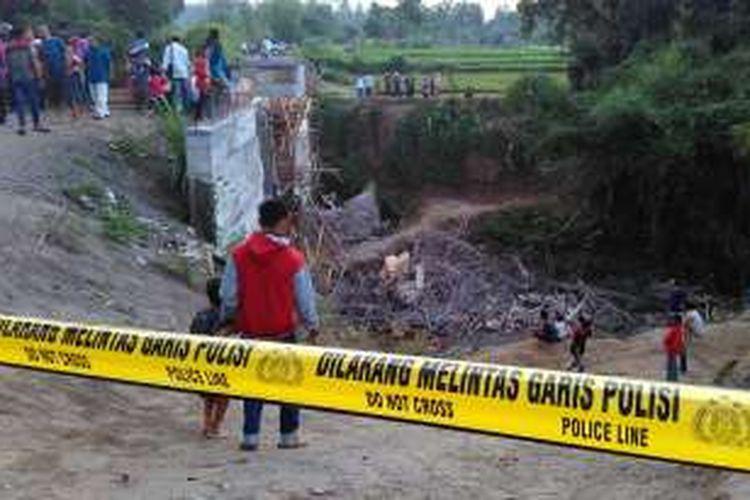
column 665, row 175
column 539, row 95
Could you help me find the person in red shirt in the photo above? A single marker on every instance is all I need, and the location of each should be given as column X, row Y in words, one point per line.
column 674, row 346
column 202, row 78
column 581, row 334
column 267, row 293
column 158, row 88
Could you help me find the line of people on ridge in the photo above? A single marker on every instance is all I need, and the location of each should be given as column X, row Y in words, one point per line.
column 394, row 84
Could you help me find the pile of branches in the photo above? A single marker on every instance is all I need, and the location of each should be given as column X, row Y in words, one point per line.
column 464, row 294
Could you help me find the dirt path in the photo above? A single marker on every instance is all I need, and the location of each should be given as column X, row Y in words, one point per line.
column 66, row 438
column 439, row 212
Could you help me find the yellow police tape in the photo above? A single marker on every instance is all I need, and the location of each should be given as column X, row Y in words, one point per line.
column 698, row 425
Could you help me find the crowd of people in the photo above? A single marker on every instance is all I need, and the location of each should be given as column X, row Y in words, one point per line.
column 41, row 71
column 394, row 84
column 186, row 83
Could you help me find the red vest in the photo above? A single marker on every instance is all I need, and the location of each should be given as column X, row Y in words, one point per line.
column 265, row 287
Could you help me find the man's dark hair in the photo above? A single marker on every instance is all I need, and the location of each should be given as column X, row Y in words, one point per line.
column 140, row 34
column 213, row 291
column 175, row 38
column 213, row 34
column 271, row 212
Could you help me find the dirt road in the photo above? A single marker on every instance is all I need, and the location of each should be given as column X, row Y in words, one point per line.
column 66, row 438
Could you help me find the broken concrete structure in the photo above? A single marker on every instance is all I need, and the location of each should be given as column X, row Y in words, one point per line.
column 260, row 150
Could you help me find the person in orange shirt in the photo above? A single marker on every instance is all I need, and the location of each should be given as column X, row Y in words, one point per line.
column 674, row 346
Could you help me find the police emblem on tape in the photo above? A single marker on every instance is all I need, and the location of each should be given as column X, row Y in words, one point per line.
column 723, row 422
column 280, row 367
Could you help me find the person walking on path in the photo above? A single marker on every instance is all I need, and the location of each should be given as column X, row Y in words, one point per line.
column 98, row 67
column 202, row 76
column 674, row 346
column 217, row 61
column 75, row 92
column 581, row 334
column 176, row 67
column 694, row 326
column 266, row 291
column 23, row 72
column 4, row 85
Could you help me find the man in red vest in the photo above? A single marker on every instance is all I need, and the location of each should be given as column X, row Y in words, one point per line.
column 267, row 292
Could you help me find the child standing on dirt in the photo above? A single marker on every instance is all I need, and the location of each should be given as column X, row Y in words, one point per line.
column 208, row 322
column 674, row 346
column 581, row 333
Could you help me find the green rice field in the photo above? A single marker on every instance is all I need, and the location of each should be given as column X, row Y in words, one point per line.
column 484, row 69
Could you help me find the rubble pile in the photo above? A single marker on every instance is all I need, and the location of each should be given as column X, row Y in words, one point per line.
column 445, row 285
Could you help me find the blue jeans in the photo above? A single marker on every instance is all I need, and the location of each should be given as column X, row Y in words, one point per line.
column 673, row 369
column 289, row 418
column 179, row 94
column 76, row 94
column 26, row 93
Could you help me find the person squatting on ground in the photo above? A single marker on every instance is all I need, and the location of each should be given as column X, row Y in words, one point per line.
column 208, row 322
column 266, row 291
column 674, row 346
column 548, row 331
column 98, row 69
column 23, row 74
column 581, row 333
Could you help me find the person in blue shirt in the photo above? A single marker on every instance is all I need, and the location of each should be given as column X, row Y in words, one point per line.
column 52, row 54
column 98, row 69
column 217, row 61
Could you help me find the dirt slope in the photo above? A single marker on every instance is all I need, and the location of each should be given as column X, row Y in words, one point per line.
column 65, row 438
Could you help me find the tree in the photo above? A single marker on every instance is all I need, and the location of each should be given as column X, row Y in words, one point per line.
column 410, row 12
column 376, row 25
column 284, row 18
column 319, row 21
column 145, row 15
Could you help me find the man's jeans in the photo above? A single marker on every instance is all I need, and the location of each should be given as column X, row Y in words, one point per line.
column 179, row 94
column 26, row 93
column 253, row 409
column 673, row 371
